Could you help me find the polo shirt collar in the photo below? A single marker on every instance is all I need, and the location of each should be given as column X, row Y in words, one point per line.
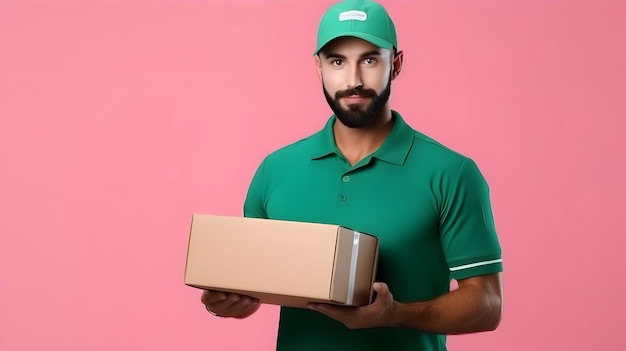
column 394, row 149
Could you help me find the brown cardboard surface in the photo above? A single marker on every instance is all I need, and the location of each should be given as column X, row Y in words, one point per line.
column 279, row 262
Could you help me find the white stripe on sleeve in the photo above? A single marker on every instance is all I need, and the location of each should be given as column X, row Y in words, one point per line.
column 472, row 265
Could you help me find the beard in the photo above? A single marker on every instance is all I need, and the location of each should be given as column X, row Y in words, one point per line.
column 356, row 116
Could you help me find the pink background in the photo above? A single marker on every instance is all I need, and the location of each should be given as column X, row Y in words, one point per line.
column 119, row 119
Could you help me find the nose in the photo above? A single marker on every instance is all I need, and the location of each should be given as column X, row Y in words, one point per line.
column 354, row 77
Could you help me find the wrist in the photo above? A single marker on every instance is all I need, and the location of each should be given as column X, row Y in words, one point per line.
column 397, row 314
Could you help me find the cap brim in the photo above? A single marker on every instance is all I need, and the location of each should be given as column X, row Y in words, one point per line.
column 381, row 43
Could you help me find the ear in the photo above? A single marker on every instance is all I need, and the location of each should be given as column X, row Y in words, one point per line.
column 318, row 66
column 397, row 65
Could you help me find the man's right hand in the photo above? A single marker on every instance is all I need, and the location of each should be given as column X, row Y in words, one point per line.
column 229, row 304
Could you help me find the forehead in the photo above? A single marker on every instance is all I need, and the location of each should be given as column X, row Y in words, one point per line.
column 350, row 46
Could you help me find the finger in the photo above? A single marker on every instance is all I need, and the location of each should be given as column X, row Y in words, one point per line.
column 240, row 303
column 209, row 297
column 349, row 316
column 382, row 292
column 237, row 310
column 225, row 303
column 380, row 288
column 235, row 305
column 330, row 310
column 244, row 307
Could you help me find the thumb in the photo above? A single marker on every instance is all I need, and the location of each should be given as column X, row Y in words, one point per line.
column 380, row 288
column 383, row 295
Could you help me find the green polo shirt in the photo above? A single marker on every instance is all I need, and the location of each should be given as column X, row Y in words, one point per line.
column 428, row 205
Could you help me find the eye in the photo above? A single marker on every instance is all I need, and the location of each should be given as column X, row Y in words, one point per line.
column 370, row 61
column 337, row 62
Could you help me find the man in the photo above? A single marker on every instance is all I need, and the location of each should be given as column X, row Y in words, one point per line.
column 369, row 171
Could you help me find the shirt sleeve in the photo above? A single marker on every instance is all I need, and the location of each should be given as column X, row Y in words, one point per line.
column 254, row 205
column 468, row 234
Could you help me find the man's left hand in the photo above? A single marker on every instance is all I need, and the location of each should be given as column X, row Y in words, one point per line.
column 381, row 313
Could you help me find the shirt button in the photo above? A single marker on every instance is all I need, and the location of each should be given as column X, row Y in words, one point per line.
column 342, row 197
column 346, row 179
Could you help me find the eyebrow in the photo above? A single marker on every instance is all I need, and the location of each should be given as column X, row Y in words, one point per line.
column 365, row 54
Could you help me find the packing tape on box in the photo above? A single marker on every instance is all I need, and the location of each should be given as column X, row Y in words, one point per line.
column 353, row 263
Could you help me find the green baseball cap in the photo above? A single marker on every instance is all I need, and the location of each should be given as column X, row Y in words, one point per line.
column 363, row 19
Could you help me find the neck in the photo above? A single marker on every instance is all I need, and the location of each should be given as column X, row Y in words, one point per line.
column 357, row 143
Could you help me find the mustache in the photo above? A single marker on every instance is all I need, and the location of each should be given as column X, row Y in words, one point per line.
column 356, row 91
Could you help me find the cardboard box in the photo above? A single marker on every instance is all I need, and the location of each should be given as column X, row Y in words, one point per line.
column 281, row 262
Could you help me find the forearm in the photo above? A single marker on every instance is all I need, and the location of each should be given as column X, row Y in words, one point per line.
column 470, row 308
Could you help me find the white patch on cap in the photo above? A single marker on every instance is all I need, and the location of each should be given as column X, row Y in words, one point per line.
column 352, row 15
